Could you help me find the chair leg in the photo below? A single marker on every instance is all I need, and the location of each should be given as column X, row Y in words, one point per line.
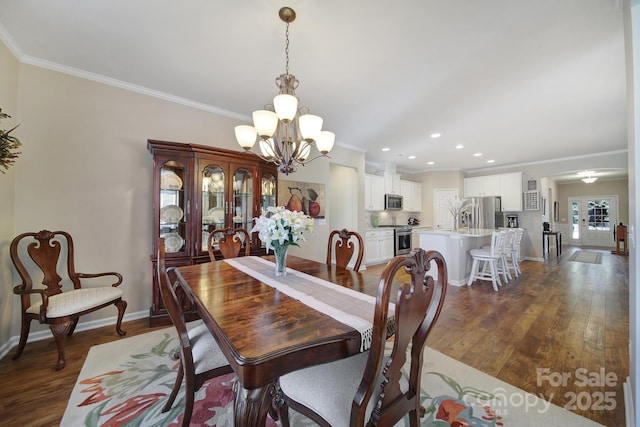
column 73, row 327
column 60, row 331
column 189, row 397
column 495, row 277
column 474, row 271
column 122, row 306
column 176, row 388
column 24, row 333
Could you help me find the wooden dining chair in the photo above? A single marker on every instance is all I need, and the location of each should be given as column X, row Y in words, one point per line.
column 345, row 247
column 371, row 388
column 66, row 295
column 200, row 356
column 232, row 243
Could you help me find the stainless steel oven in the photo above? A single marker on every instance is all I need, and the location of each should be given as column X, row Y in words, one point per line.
column 402, row 239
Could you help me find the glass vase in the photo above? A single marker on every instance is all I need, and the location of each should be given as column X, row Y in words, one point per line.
column 281, row 260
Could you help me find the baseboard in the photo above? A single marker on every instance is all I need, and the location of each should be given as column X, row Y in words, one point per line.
column 629, row 412
column 82, row 326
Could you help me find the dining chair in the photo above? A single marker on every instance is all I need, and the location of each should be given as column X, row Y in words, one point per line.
column 485, row 261
column 231, row 243
column 372, row 387
column 345, row 246
column 41, row 257
column 200, row 356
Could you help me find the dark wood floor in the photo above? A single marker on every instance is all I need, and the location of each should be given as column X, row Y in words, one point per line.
column 560, row 314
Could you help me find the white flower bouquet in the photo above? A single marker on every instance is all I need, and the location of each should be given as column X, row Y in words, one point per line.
column 280, row 227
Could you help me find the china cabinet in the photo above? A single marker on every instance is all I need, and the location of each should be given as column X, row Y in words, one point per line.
column 196, row 190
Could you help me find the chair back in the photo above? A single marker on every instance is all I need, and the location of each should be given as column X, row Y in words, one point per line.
column 345, row 248
column 174, row 307
column 231, row 242
column 509, row 239
column 418, row 303
column 47, row 250
column 497, row 243
column 518, row 238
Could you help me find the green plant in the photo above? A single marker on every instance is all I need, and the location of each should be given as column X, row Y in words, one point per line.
column 8, row 145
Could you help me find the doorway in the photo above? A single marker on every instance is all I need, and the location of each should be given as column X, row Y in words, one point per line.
column 442, row 199
column 343, row 191
column 593, row 220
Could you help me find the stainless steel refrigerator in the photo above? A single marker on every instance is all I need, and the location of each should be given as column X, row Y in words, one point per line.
column 483, row 212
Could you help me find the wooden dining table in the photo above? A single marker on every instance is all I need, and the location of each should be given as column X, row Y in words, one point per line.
column 266, row 327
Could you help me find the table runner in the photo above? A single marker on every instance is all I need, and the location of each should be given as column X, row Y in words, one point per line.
column 345, row 305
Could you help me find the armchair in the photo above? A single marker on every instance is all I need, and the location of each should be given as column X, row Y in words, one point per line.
column 59, row 308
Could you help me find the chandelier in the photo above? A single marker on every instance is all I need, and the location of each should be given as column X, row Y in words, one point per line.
column 285, row 131
column 588, row 179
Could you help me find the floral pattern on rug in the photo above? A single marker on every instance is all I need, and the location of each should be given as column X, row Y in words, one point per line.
column 135, row 392
column 458, row 410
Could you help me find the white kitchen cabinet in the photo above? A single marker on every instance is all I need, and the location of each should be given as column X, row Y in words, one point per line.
column 392, row 183
column 482, row 186
column 507, row 185
column 511, row 191
column 378, row 246
column 373, row 192
column 411, row 196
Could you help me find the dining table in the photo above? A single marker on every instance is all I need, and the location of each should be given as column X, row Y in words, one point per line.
column 268, row 326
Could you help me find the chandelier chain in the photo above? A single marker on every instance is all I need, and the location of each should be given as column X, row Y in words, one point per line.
column 286, row 49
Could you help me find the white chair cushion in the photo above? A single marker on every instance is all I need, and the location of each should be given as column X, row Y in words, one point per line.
column 206, row 352
column 76, row 300
column 329, row 389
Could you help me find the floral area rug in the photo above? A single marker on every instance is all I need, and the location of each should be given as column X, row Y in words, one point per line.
column 127, row 382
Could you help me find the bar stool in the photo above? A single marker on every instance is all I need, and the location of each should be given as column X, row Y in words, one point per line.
column 485, row 261
column 515, row 250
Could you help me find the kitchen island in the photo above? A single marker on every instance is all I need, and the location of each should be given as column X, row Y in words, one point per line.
column 454, row 247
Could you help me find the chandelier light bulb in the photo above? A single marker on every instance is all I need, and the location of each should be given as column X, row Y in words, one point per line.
column 310, row 126
column 246, row 136
column 286, row 107
column 325, row 141
column 265, row 122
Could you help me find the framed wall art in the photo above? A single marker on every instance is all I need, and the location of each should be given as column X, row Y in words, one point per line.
column 307, row 197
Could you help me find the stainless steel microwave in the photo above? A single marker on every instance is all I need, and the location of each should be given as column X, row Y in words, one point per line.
column 392, row 202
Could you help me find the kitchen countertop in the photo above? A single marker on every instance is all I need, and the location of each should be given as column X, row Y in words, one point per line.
column 462, row 232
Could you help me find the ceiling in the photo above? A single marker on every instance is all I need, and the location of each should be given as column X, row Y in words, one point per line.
column 518, row 81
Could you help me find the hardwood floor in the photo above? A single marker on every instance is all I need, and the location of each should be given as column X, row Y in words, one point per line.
column 560, row 314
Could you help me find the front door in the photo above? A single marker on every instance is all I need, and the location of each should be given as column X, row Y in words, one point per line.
column 593, row 220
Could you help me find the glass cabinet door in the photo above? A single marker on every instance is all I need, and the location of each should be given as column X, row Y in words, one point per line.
column 213, row 202
column 173, row 205
column 268, row 192
column 242, row 203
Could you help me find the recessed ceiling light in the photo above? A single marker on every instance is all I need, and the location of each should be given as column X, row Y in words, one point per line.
column 490, row 161
column 459, row 147
column 431, row 163
column 477, row 154
column 411, row 157
column 386, row 149
column 586, row 173
column 435, row 135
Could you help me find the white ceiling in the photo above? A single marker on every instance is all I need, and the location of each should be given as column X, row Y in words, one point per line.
column 517, row 80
